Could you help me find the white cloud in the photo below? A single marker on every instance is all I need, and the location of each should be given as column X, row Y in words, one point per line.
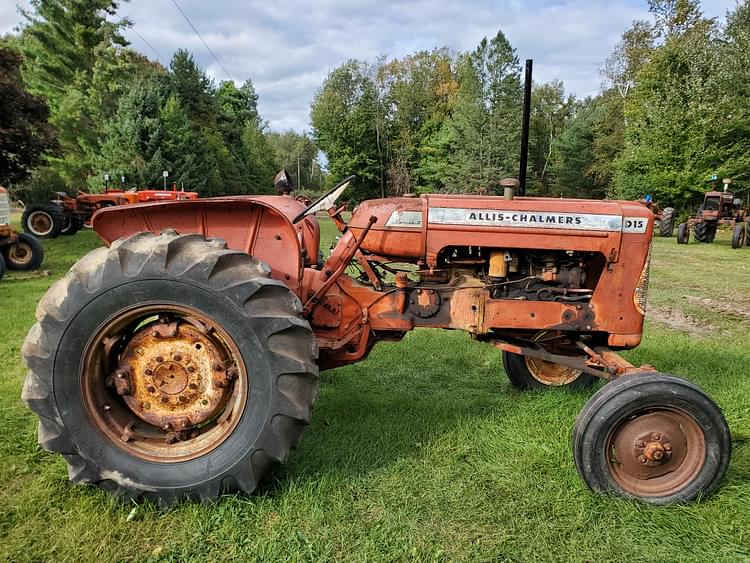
column 288, row 47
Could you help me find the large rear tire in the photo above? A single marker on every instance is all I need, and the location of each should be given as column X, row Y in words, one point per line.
column 25, row 254
column 666, row 226
column 747, row 231
column 652, row 437
column 2, row 266
column 43, row 220
column 187, row 371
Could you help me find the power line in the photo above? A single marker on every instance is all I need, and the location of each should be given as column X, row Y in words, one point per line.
column 187, row 19
column 132, row 28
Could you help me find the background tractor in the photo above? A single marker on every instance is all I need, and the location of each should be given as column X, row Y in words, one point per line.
column 719, row 208
column 17, row 251
column 66, row 215
column 664, row 219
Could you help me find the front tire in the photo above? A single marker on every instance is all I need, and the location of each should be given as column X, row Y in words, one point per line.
column 2, row 266
column 738, row 236
column 72, row 225
column 704, row 232
column 43, row 220
column 188, row 372
column 527, row 373
column 652, row 437
column 25, row 254
column 683, row 234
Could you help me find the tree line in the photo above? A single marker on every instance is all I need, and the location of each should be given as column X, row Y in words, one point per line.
column 105, row 110
column 672, row 111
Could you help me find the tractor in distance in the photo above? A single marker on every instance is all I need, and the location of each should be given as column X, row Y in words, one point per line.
column 719, row 208
column 17, row 251
column 182, row 360
column 66, row 215
column 663, row 218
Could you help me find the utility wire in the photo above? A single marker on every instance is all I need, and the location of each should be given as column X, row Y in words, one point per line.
column 187, row 19
column 158, row 55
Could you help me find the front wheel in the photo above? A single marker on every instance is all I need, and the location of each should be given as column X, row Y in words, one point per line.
column 187, row 372
column 738, row 236
column 525, row 372
column 683, row 233
column 25, row 254
column 652, row 437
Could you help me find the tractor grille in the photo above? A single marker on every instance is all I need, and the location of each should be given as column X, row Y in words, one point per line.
column 4, row 207
column 641, row 290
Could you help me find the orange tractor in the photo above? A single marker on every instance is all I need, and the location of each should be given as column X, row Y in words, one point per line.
column 17, row 251
column 67, row 215
column 182, row 360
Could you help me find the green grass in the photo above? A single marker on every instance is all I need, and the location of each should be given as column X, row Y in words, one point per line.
column 423, row 451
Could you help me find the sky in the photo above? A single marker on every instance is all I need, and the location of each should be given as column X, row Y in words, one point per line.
column 288, row 48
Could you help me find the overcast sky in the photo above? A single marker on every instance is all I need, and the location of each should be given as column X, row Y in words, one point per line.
column 288, row 47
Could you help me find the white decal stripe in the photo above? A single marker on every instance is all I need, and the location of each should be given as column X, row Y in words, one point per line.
column 410, row 219
column 525, row 219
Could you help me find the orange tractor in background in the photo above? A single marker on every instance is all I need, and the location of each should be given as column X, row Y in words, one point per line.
column 182, row 360
column 66, row 215
column 17, row 251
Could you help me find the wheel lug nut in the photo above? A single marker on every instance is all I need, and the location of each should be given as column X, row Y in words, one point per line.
column 150, row 388
column 190, row 369
column 177, row 357
column 667, row 447
column 642, row 459
column 159, row 359
column 183, row 399
column 106, row 407
column 148, row 371
column 193, row 386
column 641, row 445
column 656, row 436
column 155, row 334
column 218, row 367
column 165, row 399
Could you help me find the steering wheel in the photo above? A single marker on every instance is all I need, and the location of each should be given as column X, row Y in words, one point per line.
column 326, row 201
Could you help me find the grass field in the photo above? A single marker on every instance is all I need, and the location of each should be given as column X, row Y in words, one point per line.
column 423, row 451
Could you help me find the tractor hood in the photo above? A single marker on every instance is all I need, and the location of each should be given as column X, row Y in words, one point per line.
column 421, row 227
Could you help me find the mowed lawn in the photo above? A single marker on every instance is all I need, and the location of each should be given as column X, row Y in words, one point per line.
column 423, row 452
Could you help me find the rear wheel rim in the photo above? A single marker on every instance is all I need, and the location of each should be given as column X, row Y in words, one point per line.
column 185, row 384
column 40, row 223
column 20, row 254
column 551, row 373
column 656, row 452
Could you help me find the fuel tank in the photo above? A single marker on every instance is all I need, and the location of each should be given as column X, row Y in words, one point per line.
column 419, row 228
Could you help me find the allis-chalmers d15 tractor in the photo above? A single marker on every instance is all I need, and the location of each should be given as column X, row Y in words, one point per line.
column 719, row 208
column 182, row 360
column 17, row 251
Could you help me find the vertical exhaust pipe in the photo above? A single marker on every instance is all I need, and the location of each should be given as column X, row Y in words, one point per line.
column 525, row 127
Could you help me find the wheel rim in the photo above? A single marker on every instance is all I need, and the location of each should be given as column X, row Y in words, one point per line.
column 164, row 382
column 67, row 224
column 20, row 254
column 550, row 373
column 40, row 223
column 656, row 452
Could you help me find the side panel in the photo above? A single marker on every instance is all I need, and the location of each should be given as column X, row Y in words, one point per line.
column 255, row 227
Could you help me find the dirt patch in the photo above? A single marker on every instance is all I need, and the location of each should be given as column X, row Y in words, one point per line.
column 676, row 319
column 741, row 310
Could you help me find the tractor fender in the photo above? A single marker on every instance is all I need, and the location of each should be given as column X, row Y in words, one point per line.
column 258, row 226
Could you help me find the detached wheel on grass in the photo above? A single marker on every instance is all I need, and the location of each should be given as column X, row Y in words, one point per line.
column 738, row 236
column 683, row 233
column 187, row 371
column 527, row 373
column 666, row 226
column 25, row 254
column 43, row 220
column 652, row 437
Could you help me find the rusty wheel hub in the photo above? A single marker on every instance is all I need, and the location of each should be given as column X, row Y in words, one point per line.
column 164, row 382
column 20, row 253
column 177, row 376
column 657, row 452
column 41, row 222
column 551, row 373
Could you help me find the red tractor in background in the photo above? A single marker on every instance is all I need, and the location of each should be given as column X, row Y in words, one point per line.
column 719, row 208
column 67, row 215
column 17, row 251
